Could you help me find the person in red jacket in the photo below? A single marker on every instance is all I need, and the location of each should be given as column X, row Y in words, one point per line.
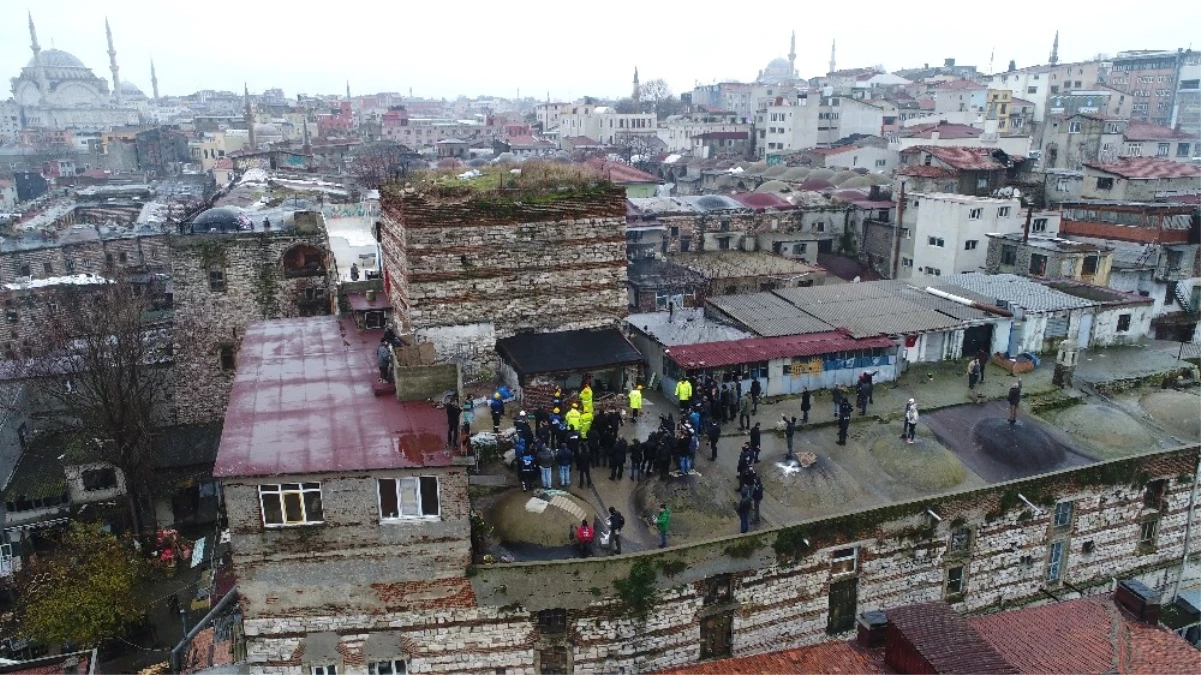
column 584, row 534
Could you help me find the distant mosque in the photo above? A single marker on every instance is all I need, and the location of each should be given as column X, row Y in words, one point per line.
column 781, row 71
column 57, row 91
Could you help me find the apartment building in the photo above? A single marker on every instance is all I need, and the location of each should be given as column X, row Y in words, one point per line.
column 946, row 234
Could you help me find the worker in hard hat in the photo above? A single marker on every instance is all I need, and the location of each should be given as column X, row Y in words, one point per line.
column 573, row 417
column 636, row 401
column 586, row 395
column 585, row 423
column 557, row 399
column 684, row 393
column 497, row 407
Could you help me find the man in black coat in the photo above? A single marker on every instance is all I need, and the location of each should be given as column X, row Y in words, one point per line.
column 617, row 459
column 583, row 462
column 844, row 420
column 714, row 436
column 452, row 422
column 756, row 439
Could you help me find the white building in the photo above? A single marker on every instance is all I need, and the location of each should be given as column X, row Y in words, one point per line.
column 811, row 119
column 948, row 233
column 677, row 131
column 605, row 124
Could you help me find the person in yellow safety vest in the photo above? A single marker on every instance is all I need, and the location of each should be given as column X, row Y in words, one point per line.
column 586, row 398
column 573, row 417
column 585, row 423
column 684, row 393
column 636, row 401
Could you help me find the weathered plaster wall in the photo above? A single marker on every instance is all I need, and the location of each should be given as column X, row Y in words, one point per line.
column 780, row 587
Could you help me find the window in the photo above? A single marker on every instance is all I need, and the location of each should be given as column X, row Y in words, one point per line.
column 880, row 162
column 25, row 270
column 1147, row 531
column 1063, row 514
column 1003, row 212
column 552, row 661
column 226, row 354
column 1089, row 266
column 12, row 316
column 393, row 667
column 69, row 263
column 1104, row 183
column 99, row 479
column 122, row 257
column 954, row 582
column 1161, row 150
column 674, row 231
column 48, row 269
column 961, row 540
column 216, row 278
column 291, row 504
column 1182, row 149
column 970, row 245
column 685, row 244
column 1153, row 497
column 975, row 214
column 1123, row 323
column 1039, row 225
column 552, row 621
column 1113, row 128
column 1031, row 90
column 844, row 560
column 723, row 244
column 906, row 262
column 843, row 605
column 819, row 226
column 108, row 259
column 936, row 241
column 409, row 498
column 1055, row 561
column 1133, row 150
column 323, row 670
column 1038, row 264
column 1073, row 126
column 1009, row 255
column 717, row 632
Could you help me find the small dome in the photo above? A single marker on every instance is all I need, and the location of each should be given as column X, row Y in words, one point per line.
column 773, row 171
column 823, row 174
column 222, row 219
column 756, row 168
column 795, row 175
column 856, row 182
column 842, row 177
column 130, row 89
column 773, row 186
column 816, row 184
column 57, row 58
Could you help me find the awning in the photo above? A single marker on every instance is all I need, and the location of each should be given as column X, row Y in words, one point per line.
column 567, row 351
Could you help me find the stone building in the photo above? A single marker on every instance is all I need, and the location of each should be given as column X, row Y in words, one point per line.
column 225, row 278
column 1048, row 257
column 1137, row 179
column 465, row 268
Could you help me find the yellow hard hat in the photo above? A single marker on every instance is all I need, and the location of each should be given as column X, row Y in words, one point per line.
column 640, row 386
column 556, row 411
column 575, row 405
column 496, row 396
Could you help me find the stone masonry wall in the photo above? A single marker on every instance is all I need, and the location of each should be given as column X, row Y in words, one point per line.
column 779, row 585
column 91, row 257
column 256, row 289
column 552, row 266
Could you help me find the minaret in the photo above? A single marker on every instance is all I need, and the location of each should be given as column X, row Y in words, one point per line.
column 831, row 56
column 306, row 147
column 43, row 87
column 792, row 55
column 153, row 80
column 112, row 63
column 1055, row 49
column 248, row 116
column 347, row 90
column 636, row 94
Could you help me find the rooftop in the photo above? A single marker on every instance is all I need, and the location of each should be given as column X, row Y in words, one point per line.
column 943, row 129
column 1138, row 130
column 735, row 264
column 768, row 315
column 302, row 402
column 962, row 158
column 1053, row 243
column 1146, row 168
column 1104, row 295
column 1018, row 291
column 685, row 326
column 567, row 351
column 755, row 349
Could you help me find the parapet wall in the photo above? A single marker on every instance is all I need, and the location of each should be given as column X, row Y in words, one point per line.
column 776, row 589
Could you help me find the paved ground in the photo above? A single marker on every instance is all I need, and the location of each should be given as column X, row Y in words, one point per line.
column 876, row 467
column 1120, row 363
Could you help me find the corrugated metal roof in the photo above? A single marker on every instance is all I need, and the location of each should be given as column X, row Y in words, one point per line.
column 567, row 351
column 303, row 402
column 951, row 308
column 1019, row 291
column 686, row 326
column 752, row 350
column 768, row 314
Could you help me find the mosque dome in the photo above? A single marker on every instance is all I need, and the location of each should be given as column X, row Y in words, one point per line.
column 130, row 89
column 779, row 70
column 57, row 58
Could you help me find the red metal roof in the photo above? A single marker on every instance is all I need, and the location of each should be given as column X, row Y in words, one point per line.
column 926, row 171
column 750, row 350
column 958, row 157
column 302, row 402
column 934, row 634
column 944, row 131
column 830, row 658
column 359, row 303
column 762, row 201
column 1146, row 168
column 1145, row 131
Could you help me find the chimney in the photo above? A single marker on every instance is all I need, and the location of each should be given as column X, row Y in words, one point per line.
column 1135, row 597
column 873, row 628
column 934, row 135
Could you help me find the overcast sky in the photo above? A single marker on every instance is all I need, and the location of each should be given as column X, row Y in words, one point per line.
column 443, row 49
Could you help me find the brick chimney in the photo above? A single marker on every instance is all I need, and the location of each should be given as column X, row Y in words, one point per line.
column 873, row 629
column 1137, row 598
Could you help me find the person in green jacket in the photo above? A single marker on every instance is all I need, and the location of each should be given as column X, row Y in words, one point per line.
column 663, row 521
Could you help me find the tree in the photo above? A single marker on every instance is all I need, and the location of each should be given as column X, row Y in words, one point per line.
column 656, row 95
column 83, row 592
column 374, row 164
column 98, row 368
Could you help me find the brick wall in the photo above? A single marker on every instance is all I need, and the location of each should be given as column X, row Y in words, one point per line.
column 554, row 266
column 778, row 600
column 256, row 288
column 91, row 257
column 1084, row 228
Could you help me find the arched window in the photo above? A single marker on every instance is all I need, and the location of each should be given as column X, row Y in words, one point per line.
column 304, row 260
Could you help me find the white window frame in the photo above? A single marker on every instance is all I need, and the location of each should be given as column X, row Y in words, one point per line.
column 394, row 667
column 1144, row 540
column 1063, row 512
column 975, row 214
column 946, row 584
column 279, row 491
column 1003, row 212
column 936, row 241
column 327, row 669
column 1039, row 225
column 400, row 483
column 853, row 558
column 971, row 244
column 1055, row 558
column 1074, row 127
